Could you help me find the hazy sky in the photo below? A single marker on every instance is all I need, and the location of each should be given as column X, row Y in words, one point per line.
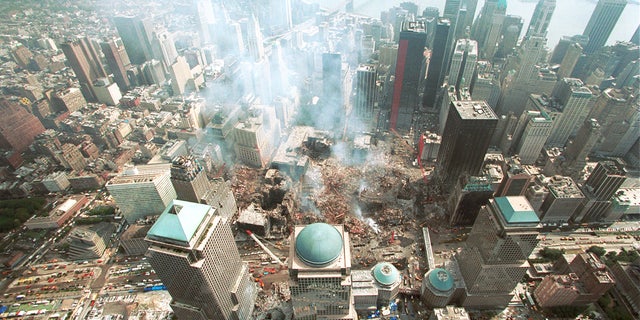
column 569, row 18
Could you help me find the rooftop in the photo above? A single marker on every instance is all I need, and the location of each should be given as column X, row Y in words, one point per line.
column 474, row 110
column 440, row 279
column 385, row 273
column 179, row 221
column 516, row 210
column 318, row 244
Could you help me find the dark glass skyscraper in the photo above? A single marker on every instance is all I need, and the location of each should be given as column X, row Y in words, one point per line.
column 435, row 73
column 136, row 34
column 407, row 76
column 117, row 60
column 465, row 140
column 85, row 62
column 604, row 18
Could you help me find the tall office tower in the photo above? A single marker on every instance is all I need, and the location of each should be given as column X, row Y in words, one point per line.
column 562, row 202
column 542, row 14
column 153, row 72
column 136, row 34
column 163, row 47
column 602, row 21
column 511, row 29
column 189, row 179
column 467, row 199
column 205, row 19
column 85, row 62
column 532, row 51
column 483, row 24
column 18, row 127
column 576, row 100
column 568, row 63
column 600, row 187
column 471, row 6
column 195, row 255
column 435, row 72
column 254, row 39
column 180, row 76
column 536, row 127
column 142, row 191
column 320, row 257
column 578, row 149
column 495, row 258
column 456, row 13
column 618, row 114
column 407, row 75
column 430, row 15
column 561, row 48
column 467, row 131
column 364, row 97
column 274, row 16
column 516, row 180
column 463, row 63
column 493, row 36
column 118, row 61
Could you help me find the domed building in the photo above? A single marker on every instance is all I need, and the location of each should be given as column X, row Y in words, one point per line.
column 375, row 288
column 437, row 287
column 320, row 271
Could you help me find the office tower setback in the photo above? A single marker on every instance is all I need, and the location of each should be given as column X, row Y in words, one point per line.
column 617, row 112
column 365, row 91
column 468, row 131
column 495, row 258
column 542, row 14
column 602, row 21
column 86, row 64
column 536, row 127
column 117, row 60
column 575, row 98
column 436, row 70
column 195, row 255
column 320, row 272
column 136, row 34
column 467, row 199
column 189, row 179
column 405, row 98
column 562, row 202
column 599, row 189
column 463, row 63
column 142, row 191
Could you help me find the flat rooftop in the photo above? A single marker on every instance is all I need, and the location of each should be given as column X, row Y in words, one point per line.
column 479, row 110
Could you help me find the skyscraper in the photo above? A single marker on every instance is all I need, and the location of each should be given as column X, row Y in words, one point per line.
column 575, row 98
column 142, row 191
column 195, row 255
column 189, row 179
column 569, row 61
column 601, row 185
column 85, row 62
column 465, row 139
column 117, row 60
column 365, row 91
column 542, row 14
column 463, row 63
column 484, row 23
column 436, row 70
column 578, row 149
column 602, row 21
column 407, row 75
column 536, row 127
column 495, row 258
column 619, row 117
column 136, row 34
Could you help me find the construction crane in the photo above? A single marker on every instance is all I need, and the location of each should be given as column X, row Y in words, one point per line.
column 273, row 256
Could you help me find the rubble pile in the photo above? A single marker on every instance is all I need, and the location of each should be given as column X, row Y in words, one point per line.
column 245, row 185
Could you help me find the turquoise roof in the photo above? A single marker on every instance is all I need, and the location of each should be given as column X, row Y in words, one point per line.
column 523, row 214
column 441, row 279
column 318, row 244
column 502, row 4
column 385, row 273
column 179, row 221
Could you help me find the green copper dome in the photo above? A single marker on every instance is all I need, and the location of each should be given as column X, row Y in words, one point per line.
column 318, row 244
column 385, row 273
column 441, row 279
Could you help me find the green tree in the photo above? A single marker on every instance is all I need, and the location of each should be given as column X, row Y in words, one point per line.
column 551, row 254
column 597, row 250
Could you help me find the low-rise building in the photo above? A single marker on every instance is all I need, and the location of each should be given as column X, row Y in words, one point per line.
column 59, row 215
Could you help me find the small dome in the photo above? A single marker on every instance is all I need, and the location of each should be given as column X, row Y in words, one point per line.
column 441, row 279
column 385, row 273
column 318, row 244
